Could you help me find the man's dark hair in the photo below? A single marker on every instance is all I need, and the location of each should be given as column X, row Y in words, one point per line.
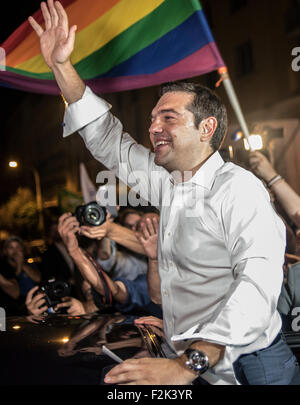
column 205, row 104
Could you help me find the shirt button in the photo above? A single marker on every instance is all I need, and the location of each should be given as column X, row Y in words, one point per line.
column 165, row 292
column 169, row 233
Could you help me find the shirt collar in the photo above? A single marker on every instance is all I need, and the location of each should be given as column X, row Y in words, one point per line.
column 206, row 174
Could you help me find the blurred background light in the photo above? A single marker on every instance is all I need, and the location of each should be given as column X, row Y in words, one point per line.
column 256, row 142
column 236, row 136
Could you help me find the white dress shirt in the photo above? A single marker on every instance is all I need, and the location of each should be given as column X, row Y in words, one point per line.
column 221, row 244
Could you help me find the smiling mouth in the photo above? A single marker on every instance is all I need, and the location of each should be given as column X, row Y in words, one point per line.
column 160, row 145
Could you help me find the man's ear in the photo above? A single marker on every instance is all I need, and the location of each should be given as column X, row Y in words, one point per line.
column 207, row 128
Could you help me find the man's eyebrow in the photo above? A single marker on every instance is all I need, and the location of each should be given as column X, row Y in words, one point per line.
column 167, row 110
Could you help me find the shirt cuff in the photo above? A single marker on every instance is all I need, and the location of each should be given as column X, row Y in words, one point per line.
column 84, row 111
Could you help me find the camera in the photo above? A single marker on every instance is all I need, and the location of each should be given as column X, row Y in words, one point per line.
column 54, row 291
column 91, row 214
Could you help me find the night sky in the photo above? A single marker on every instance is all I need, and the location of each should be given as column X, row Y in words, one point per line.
column 15, row 14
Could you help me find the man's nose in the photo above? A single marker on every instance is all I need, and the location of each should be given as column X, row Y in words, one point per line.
column 155, row 127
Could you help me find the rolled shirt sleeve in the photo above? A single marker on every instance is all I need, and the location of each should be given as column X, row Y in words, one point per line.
column 255, row 239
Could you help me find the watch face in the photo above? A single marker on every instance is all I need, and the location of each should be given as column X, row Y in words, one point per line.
column 198, row 361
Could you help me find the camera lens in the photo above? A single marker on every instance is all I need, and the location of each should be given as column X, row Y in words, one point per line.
column 91, row 214
column 94, row 214
column 60, row 289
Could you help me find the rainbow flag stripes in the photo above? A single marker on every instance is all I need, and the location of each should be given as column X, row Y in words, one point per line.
column 120, row 45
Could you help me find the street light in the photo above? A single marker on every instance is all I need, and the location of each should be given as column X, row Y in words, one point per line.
column 38, row 194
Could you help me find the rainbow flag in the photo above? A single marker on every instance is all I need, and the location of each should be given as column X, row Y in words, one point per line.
column 120, row 45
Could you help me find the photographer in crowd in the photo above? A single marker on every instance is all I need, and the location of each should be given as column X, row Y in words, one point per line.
column 127, row 295
column 56, row 262
column 61, row 294
column 36, row 304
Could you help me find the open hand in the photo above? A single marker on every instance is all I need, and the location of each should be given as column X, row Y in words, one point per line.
column 57, row 41
column 148, row 236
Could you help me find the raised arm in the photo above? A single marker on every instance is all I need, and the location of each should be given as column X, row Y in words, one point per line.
column 67, row 228
column 10, row 287
column 285, row 195
column 118, row 233
column 148, row 238
column 57, row 44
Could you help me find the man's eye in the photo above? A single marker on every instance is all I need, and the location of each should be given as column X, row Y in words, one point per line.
column 169, row 117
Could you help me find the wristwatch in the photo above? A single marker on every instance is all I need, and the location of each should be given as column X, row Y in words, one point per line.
column 197, row 360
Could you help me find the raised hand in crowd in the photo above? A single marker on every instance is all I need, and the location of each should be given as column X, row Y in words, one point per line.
column 285, row 195
column 148, row 227
column 148, row 236
column 68, row 226
column 261, row 166
column 57, row 44
column 57, row 40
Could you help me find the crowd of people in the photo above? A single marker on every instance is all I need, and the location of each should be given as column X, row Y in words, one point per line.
column 215, row 263
column 123, row 250
column 121, row 255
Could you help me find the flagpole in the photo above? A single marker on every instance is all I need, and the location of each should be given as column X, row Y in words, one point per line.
column 223, row 72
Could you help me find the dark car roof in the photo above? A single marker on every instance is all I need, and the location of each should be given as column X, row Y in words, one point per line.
column 62, row 349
